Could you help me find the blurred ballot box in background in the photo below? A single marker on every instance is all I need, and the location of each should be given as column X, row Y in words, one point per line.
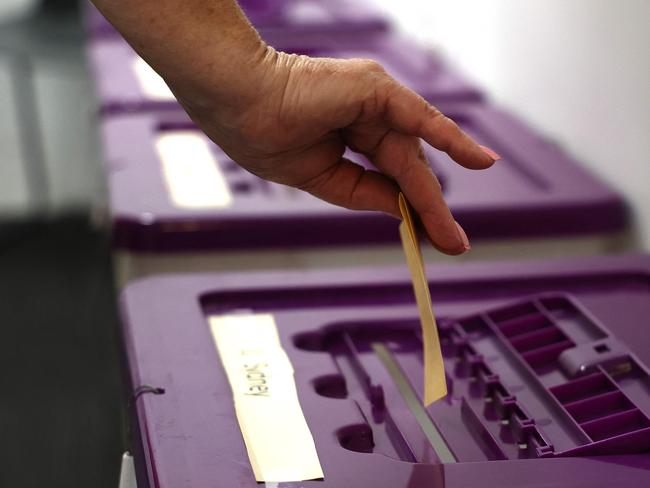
column 538, row 201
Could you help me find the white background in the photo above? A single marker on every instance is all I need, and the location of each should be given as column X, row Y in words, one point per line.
column 577, row 70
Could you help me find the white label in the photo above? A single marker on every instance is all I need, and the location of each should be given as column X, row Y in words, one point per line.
column 308, row 12
column 191, row 172
column 151, row 83
column 278, row 440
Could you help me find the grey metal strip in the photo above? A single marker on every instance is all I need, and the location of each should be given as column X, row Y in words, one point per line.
column 415, row 405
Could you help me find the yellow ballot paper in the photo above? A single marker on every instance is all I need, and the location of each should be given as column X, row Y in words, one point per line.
column 278, row 440
column 435, row 386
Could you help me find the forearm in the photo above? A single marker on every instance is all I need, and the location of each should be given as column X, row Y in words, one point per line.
column 196, row 45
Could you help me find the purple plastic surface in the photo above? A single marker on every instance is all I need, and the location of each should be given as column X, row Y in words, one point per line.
column 547, row 367
column 535, row 190
column 118, row 89
column 272, row 17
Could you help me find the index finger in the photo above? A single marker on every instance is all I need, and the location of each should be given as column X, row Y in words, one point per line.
column 409, row 113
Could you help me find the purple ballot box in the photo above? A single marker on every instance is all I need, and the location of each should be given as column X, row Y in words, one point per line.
column 308, row 17
column 176, row 196
column 125, row 83
column 272, row 17
column 546, row 366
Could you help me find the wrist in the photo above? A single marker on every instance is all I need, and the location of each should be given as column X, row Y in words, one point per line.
column 221, row 73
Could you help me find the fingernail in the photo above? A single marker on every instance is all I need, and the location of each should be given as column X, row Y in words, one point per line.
column 463, row 237
column 490, row 152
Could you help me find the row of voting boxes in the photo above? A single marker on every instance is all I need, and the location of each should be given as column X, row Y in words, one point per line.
column 546, row 360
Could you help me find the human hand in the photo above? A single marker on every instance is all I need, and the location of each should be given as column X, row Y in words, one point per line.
column 296, row 122
column 289, row 118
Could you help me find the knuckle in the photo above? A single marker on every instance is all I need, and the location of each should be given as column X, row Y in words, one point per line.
column 372, row 66
column 405, row 170
column 355, row 182
column 436, row 182
column 421, row 154
column 451, row 125
column 432, row 112
column 449, row 130
column 446, row 124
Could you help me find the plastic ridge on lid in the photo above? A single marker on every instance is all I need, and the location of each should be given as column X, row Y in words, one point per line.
column 435, row 386
column 579, row 373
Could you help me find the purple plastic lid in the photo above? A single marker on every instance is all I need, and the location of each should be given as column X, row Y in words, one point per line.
column 119, row 89
column 535, row 190
column 276, row 17
column 547, row 370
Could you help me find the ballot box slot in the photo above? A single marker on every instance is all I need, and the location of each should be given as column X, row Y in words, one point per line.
column 415, row 405
column 382, row 367
column 368, row 385
column 515, row 391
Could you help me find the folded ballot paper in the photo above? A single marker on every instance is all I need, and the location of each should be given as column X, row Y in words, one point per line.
column 435, row 386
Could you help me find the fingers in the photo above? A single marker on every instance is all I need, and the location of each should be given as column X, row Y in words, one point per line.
column 350, row 185
column 409, row 113
column 402, row 158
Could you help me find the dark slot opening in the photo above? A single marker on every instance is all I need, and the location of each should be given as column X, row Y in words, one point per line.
column 585, row 387
column 599, row 406
column 536, row 339
column 547, row 354
column 331, row 386
column 357, row 438
column 523, row 325
column 513, row 312
column 601, row 348
column 615, row 425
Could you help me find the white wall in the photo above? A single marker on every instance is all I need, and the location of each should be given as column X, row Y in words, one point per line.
column 578, row 70
column 14, row 193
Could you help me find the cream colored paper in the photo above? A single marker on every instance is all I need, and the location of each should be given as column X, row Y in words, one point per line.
column 435, row 385
column 278, row 440
column 191, row 172
column 151, row 83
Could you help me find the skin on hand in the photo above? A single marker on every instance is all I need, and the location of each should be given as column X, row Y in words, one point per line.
column 289, row 118
column 303, row 113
